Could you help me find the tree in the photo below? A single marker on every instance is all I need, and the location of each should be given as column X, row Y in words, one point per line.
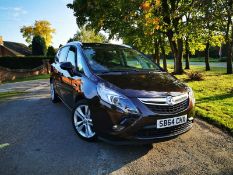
column 229, row 34
column 51, row 51
column 42, row 28
column 208, row 20
column 167, row 17
column 151, row 17
column 88, row 36
column 38, row 46
column 188, row 25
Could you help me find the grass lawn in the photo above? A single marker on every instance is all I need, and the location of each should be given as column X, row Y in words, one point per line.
column 214, row 96
column 35, row 77
column 4, row 95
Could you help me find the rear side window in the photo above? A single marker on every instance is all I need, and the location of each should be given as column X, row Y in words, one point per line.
column 63, row 53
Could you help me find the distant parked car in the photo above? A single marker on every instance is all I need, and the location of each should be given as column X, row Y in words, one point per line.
column 119, row 95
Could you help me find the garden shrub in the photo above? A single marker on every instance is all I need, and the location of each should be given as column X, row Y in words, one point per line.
column 195, row 76
column 23, row 62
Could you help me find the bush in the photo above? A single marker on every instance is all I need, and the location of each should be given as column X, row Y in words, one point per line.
column 195, row 76
column 23, row 62
column 51, row 51
column 38, row 46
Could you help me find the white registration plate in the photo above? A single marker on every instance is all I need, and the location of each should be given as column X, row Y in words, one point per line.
column 168, row 122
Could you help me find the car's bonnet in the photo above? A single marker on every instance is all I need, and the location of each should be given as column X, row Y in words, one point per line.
column 145, row 84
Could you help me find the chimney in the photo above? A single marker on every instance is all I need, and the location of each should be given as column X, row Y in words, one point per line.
column 1, row 40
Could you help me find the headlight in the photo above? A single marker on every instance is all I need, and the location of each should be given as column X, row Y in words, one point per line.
column 116, row 99
column 191, row 95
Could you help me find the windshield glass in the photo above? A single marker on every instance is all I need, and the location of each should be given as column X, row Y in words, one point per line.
column 107, row 58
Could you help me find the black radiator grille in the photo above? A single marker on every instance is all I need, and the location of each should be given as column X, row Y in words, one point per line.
column 167, row 109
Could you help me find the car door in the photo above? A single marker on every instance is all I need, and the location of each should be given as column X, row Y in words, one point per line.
column 79, row 80
column 57, row 71
column 66, row 81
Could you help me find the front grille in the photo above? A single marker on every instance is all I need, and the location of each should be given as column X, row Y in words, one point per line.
column 164, row 132
column 167, row 109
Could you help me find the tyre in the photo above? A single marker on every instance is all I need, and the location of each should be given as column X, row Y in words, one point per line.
column 82, row 121
column 53, row 94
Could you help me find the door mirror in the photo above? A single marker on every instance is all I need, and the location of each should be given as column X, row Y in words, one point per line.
column 66, row 66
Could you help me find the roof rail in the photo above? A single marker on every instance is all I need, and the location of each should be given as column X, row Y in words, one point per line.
column 126, row 45
column 75, row 42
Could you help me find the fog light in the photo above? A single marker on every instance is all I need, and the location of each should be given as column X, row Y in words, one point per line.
column 117, row 127
column 190, row 118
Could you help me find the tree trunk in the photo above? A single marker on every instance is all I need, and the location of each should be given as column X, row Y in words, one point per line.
column 162, row 43
column 231, row 59
column 207, row 55
column 177, row 50
column 156, row 51
column 229, row 44
column 187, row 54
column 220, row 52
column 179, row 68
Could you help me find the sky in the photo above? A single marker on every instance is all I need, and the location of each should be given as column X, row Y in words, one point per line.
column 16, row 13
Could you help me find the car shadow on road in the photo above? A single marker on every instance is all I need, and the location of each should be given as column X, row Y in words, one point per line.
column 43, row 141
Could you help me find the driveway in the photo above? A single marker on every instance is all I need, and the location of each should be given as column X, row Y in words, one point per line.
column 36, row 137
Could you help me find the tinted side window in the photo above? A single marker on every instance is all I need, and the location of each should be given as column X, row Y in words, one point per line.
column 71, row 56
column 63, row 54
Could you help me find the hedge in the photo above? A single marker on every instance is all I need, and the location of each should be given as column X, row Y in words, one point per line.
column 29, row 62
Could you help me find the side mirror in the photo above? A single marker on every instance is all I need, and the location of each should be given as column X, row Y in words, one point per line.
column 66, row 66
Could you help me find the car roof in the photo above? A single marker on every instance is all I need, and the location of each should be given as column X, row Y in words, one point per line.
column 96, row 44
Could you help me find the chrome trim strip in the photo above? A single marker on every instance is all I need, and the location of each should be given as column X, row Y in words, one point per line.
column 163, row 100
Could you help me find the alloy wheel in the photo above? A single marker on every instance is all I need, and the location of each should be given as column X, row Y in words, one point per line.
column 83, row 122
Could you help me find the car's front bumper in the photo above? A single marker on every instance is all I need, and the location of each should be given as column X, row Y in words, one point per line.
column 115, row 127
column 151, row 136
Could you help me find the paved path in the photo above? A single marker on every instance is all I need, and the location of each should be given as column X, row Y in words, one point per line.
column 212, row 64
column 36, row 137
column 24, row 85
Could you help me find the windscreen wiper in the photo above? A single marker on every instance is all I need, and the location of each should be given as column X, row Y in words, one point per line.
column 129, row 70
column 109, row 71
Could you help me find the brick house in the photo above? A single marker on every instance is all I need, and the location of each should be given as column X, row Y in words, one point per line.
column 8, row 48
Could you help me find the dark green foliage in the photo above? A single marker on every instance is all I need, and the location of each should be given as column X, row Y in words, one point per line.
column 23, row 62
column 70, row 40
column 51, row 51
column 38, row 46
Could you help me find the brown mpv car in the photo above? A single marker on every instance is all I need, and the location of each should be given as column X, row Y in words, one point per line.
column 118, row 94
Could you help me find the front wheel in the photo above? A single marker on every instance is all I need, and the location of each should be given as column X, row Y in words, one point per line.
column 82, row 121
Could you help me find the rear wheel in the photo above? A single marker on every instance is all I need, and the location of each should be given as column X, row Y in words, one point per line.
column 54, row 96
column 82, row 121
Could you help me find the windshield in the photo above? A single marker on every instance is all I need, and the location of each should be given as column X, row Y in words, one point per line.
column 105, row 58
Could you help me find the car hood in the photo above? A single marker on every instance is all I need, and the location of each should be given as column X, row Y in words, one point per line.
column 145, row 84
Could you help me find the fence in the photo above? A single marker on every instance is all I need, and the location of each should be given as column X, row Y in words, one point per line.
column 7, row 74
